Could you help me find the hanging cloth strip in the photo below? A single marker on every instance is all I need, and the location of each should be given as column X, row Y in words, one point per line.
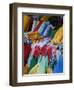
column 48, row 29
column 44, row 18
column 35, row 23
column 43, row 27
column 38, row 26
column 58, row 36
column 27, row 23
column 41, row 66
column 27, row 49
column 26, row 69
column 58, row 68
column 32, row 61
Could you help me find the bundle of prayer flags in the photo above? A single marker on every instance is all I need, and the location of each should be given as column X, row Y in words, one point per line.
column 43, row 44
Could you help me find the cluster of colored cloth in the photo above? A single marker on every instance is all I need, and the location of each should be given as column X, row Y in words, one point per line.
column 43, row 44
